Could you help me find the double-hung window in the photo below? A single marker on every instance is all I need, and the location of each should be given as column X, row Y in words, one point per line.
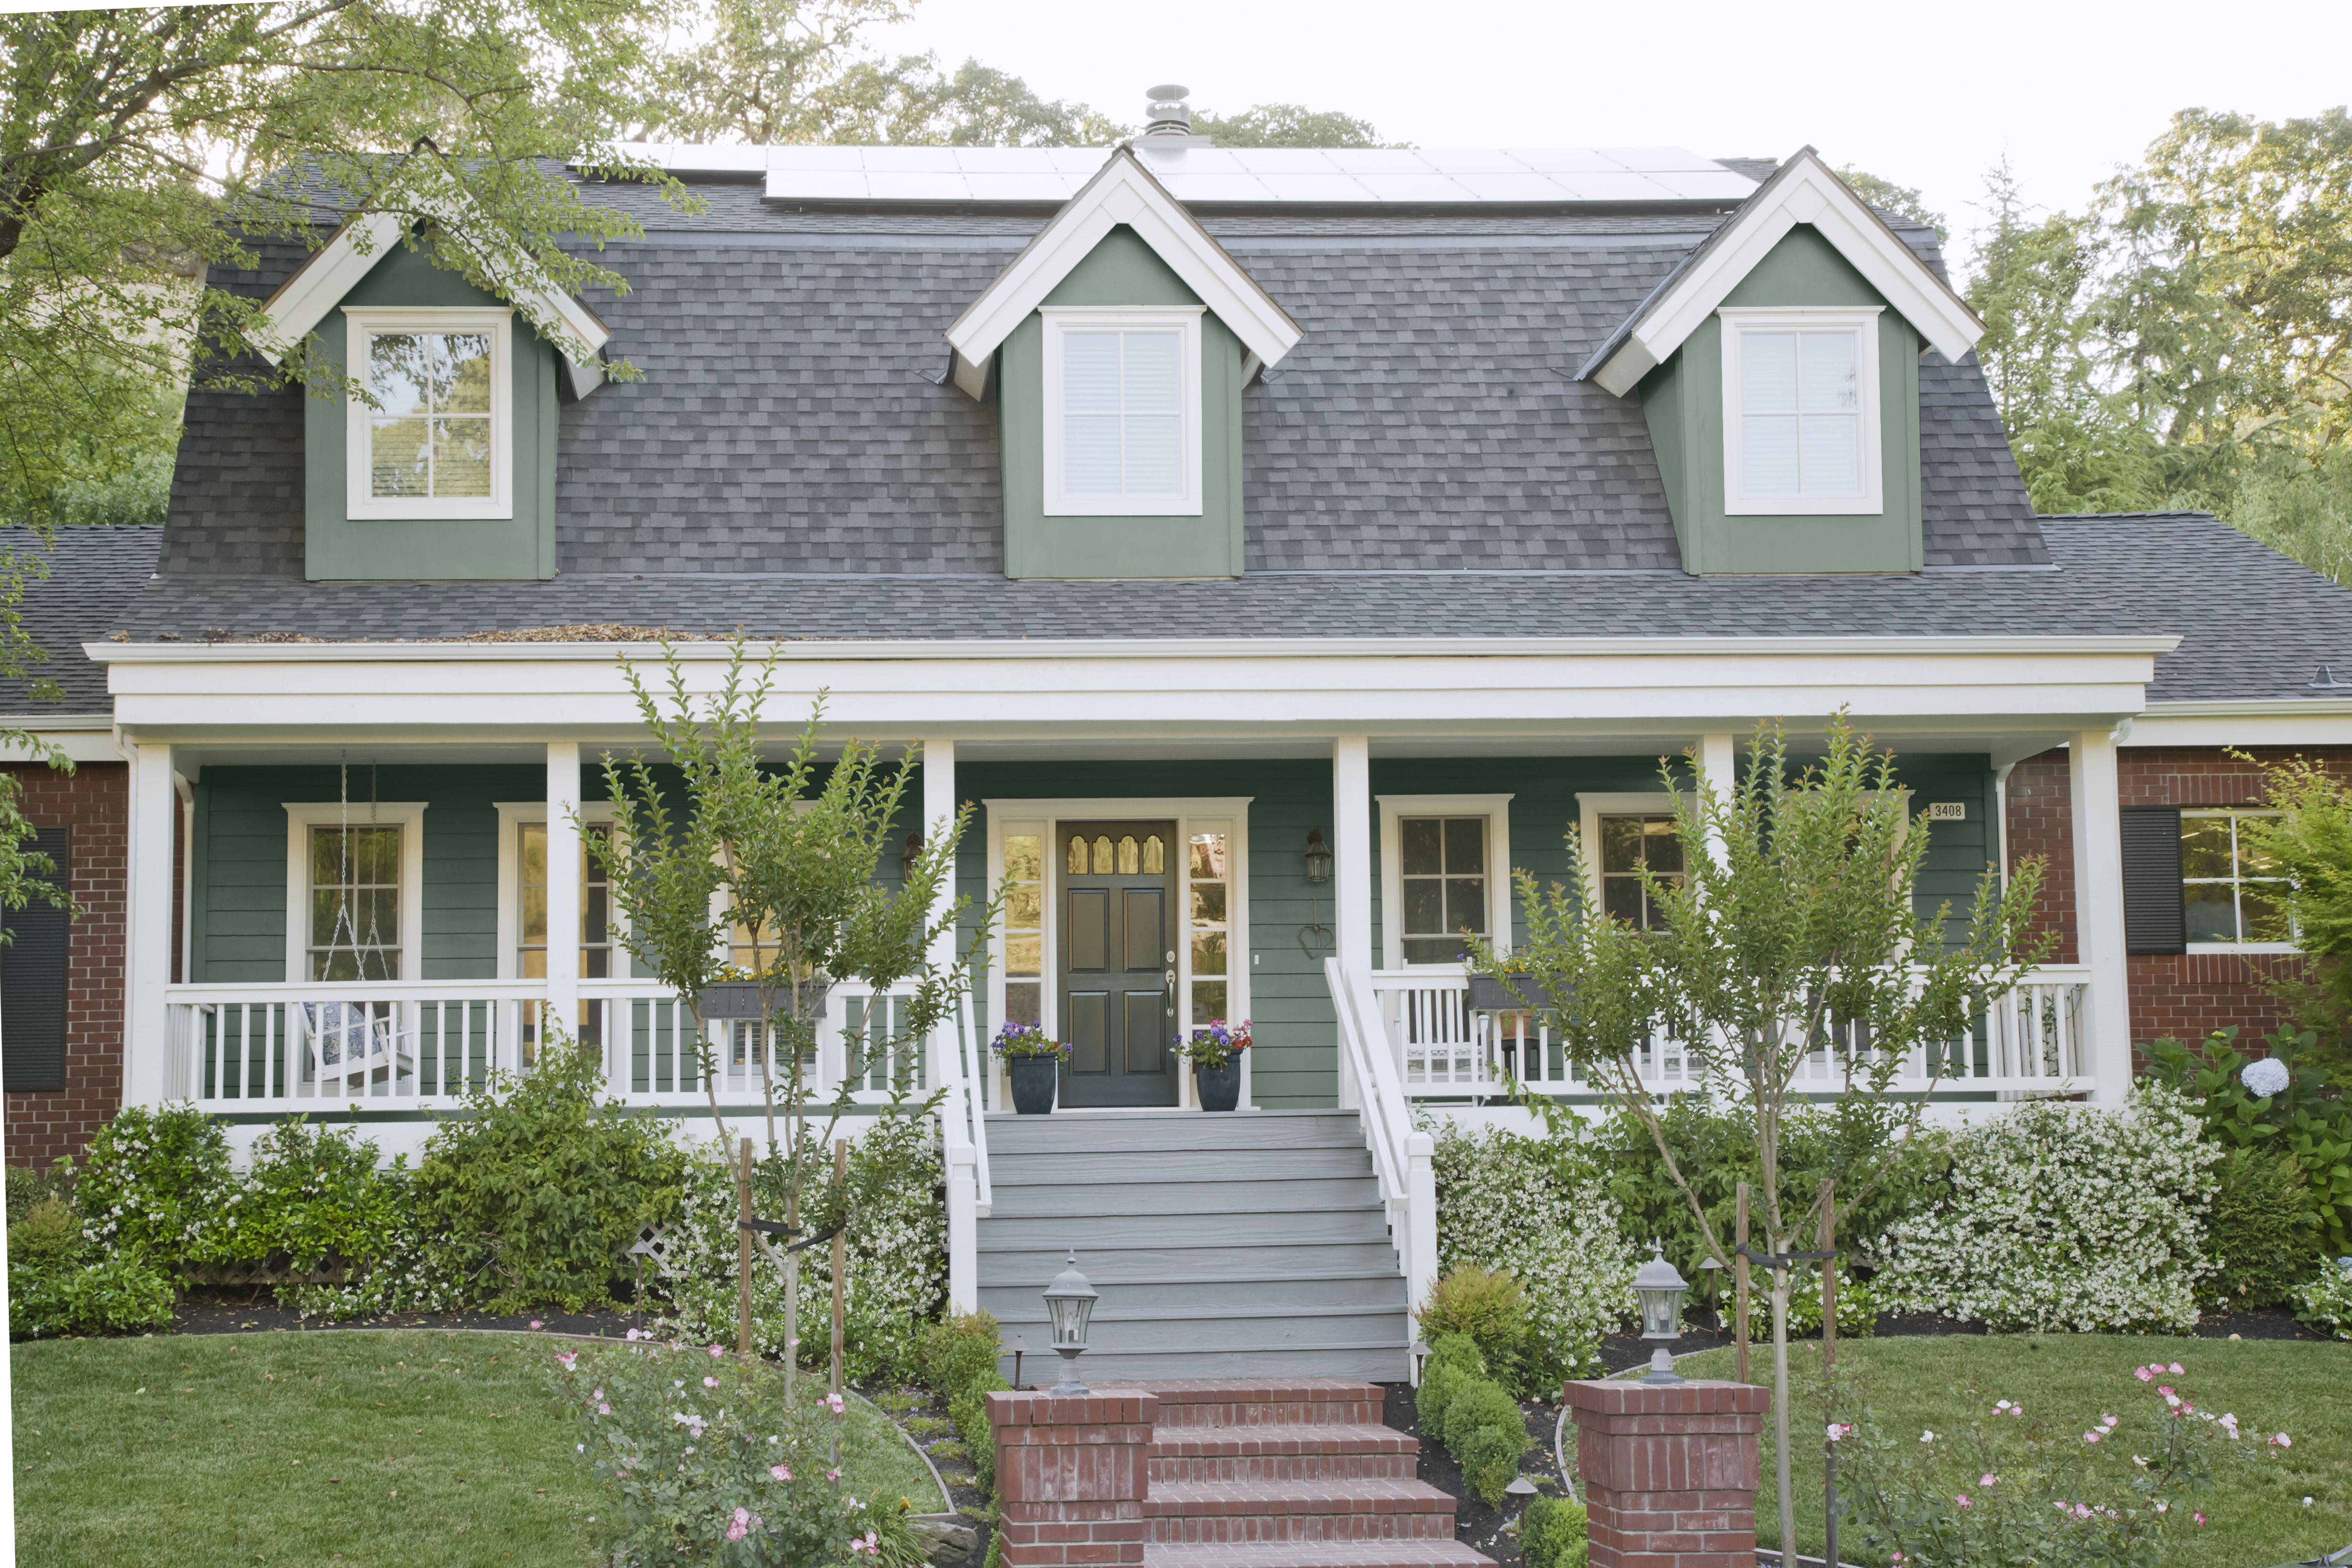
column 1122, row 427
column 1445, row 871
column 435, row 436
column 1800, row 411
column 2230, row 891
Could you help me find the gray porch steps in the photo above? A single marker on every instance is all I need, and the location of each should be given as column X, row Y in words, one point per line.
column 1249, row 1245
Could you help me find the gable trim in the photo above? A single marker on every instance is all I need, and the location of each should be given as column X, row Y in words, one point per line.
column 319, row 285
column 1122, row 192
column 1803, row 190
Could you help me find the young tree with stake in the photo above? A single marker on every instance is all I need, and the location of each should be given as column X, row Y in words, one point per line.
column 1794, row 930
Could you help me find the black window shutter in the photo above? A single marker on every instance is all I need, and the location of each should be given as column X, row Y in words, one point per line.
column 32, row 981
column 2154, row 917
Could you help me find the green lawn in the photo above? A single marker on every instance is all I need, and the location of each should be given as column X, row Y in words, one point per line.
column 369, row 1448
column 2301, row 1387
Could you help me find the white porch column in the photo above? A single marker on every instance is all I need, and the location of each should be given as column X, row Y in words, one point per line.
column 563, row 931
column 2099, row 912
column 1718, row 759
column 1351, row 874
column 939, row 816
column 947, row 1059
column 150, row 1076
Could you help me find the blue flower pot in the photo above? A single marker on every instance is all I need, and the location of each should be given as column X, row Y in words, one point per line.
column 1032, row 1083
column 1220, row 1087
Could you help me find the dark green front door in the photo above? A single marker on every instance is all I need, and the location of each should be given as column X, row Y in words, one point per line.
column 1119, row 961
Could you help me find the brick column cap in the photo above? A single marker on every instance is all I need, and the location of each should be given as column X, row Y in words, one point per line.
column 1694, row 1398
column 1103, row 1408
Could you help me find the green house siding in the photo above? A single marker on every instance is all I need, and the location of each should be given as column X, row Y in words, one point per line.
column 1682, row 400
column 1120, row 271
column 337, row 546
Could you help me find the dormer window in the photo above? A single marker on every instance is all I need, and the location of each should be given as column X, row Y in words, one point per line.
column 1122, row 417
column 1800, row 412
column 437, row 441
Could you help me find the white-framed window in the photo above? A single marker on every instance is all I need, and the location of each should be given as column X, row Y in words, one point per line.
column 1122, row 412
column 439, row 440
column 1800, row 412
column 522, row 895
column 2230, row 892
column 1444, row 870
column 354, row 874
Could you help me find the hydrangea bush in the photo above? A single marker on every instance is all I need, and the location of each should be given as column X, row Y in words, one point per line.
column 897, row 1254
column 710, row 1462
column 2061, row 1490
column 1532, row 1209
column 2063, row 1216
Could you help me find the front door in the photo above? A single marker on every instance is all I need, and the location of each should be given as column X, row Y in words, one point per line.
column 1119, row 961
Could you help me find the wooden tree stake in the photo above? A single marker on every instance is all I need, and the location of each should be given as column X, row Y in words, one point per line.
column 840, row 1256
column 743, row 1256
column 1739, row 1281
column 1829, row 1275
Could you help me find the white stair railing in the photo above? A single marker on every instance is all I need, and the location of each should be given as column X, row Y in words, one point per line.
column 1402, row 1154
column 963, row 1128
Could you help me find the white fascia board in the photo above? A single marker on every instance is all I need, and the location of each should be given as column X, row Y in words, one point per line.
column 82, row 737
column 319, row 285
column 1805, row 190
column 2288, row 721
column 1124, row 191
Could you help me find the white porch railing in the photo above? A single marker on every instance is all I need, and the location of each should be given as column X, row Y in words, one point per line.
column 1402, row 1156
column 423, row 1044
column 2028, row 1040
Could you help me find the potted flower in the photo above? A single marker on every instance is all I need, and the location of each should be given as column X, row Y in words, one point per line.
column 1509, row 989
column 1216, row 1053
column 1033, row 1060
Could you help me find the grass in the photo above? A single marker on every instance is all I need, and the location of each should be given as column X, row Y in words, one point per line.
column 375, row 1449
column 2301, row 1387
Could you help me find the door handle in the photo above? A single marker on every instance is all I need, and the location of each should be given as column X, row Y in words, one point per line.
column 1172, row 979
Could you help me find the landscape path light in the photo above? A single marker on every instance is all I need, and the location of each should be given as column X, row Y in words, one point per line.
column 1659, row 1288
column 1069, row 1307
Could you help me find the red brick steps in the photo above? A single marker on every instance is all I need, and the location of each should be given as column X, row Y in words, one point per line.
column 1315, row 1554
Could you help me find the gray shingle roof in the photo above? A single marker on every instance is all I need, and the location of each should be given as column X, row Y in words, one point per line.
column 93, row 574
column 787, row 420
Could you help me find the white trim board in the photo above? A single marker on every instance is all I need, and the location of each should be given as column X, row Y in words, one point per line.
column 1189, row 813
column 1802, row 190
column 408, row 815
column 1868, row 499
column 359, row 500
column 1122, row 192
column 1061, row 321
column 1496, row 810
column 511, row 816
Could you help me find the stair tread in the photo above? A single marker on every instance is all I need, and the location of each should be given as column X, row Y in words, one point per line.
column 1250, row 1500
column 1132, row 1314
column 1338, row 1437
column 1408, row 1552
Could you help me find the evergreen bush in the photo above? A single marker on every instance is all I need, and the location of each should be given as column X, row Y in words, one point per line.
column 313, row 1195
column 1453, row 1359
column 1477, row 1405
column 157, row 1184
column 1490, row 1307
column 2260, row 1230
column 1553, row 1533
column 1490, row 1461
column 960, row 1358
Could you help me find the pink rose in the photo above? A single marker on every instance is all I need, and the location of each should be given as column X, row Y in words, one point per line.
column 1987, row 1480
column 2175, row 1367
column 781, row 1472
column 2283, row 1441
column 709, row 1382
column 716, row 1353
column 537, row 1324
column 603, row 1410
column 1962, row 1498
column 2143, row 1374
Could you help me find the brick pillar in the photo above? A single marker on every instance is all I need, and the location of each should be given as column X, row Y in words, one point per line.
column 1072, row 1475
column 1669, row 1473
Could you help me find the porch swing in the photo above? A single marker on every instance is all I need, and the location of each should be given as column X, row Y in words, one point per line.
column 357, row 1048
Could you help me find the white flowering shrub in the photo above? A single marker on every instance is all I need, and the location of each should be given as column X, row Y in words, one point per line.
column 2325, row 1300
column 2063, row 1216
column 897, row 1238
column 1534, row 1209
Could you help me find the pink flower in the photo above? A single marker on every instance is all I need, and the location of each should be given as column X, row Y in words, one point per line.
column 2175, row 1367
column 833, row 1475
column 2144, row 1374
column 2081, row 1512
column 537, row 1324
column 742, row 1525
column 2016, row 1410
column 709, row 1382
column 633, row 1336
column 2200, row 1519
column 716, row 1352
column 2107, row 1421
column 781, row 1472
column 1840, row 1431
column 833, row 1403
column 603, row 1410
column 598, row 1394
column 2162, row 1506
column 1962, row 1498
column 1987, row 1480
column 2283, row 1441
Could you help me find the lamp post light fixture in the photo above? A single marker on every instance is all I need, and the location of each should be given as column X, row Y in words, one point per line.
column 1069, row 1306
column 1660, row 1288
column 1318, row 856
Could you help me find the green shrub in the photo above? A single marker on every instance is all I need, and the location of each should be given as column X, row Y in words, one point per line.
column 315, row 1194
column 1490, row 1307
column 1857, row 1310
column 1453, row 1359
column 157, row 1184
column 531, row 1193
column 1551, row 1533
column 1478, row 1403
column 2311, row 1117
column 2324, row 1302
column 2259, row 1230
column 47, row 1238
column 1490, row 1461
column 958, row 1363
column 115, row 1295
column 28, row 1188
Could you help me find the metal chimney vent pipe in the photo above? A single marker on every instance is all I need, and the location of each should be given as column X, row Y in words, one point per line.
column 1168, row 114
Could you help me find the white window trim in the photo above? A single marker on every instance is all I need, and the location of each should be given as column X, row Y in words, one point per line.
column 1046, row 818
column 1592, row 807
column 513, row 814
column 2186, row 813
column 1738, row 321
column 1496, row 810
column 303, row 816
column 1061, row 320
column 360, row 502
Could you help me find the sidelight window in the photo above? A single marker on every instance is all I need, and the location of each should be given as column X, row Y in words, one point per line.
column 1210, row 917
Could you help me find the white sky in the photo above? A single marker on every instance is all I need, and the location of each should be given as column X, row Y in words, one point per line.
column 1924, row 95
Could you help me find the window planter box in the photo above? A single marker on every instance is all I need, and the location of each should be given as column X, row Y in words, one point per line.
column 1489, row 995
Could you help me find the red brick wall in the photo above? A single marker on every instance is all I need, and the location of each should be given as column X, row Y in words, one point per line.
column 2188, row 996
column 94, row 802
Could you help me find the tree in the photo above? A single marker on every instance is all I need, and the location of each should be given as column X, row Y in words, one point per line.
column 2309, row 843
column 1900, row 200
column 1794, row 930
column 1288, row 125
column 760, row 873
